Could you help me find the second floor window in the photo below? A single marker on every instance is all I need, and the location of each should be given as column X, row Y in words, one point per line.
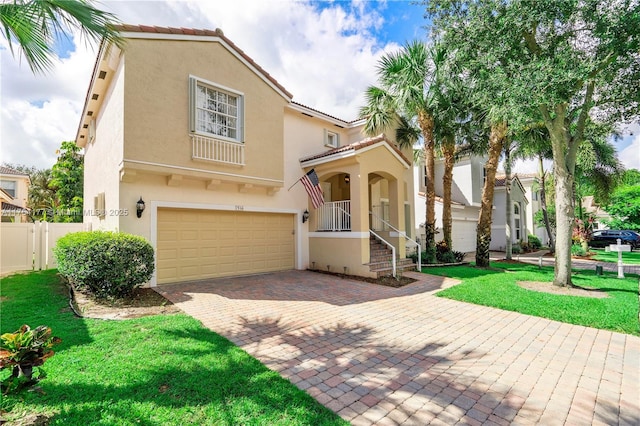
column 9, row 187
column 216, row 111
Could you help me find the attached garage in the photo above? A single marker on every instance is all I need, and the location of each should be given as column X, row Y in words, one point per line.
column 200, row 244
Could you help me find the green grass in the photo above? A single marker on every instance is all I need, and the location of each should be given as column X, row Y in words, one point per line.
column 161, row 370
column 498, row 287
column 628, row 258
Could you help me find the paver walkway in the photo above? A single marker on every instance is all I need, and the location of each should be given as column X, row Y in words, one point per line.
column 385, row 356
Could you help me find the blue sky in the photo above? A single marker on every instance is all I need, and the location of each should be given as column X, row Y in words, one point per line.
column 324, row 52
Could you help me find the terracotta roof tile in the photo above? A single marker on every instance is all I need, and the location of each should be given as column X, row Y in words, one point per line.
column 197, row 32
column 9, row 171
column 357, row 146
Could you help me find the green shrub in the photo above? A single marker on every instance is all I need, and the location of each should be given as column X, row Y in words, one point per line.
column 447, row 257
column 578, row 250
column 534, row 242
column 106, row 264
column 458, row 255
column 516, row 249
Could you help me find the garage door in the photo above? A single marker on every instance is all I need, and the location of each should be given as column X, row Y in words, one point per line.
column 198, row 244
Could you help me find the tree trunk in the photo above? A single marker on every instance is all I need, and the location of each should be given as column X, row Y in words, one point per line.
column 564, row 224
column 483, row 233
column 508, row 209
column 426, row 125
column 543, row 204
column 448, row 150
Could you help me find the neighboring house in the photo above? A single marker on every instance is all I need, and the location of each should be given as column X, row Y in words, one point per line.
column 519, row 202
column 186, row 122
column 14, row 193
column 532, row 193
column 466, row 194
column 590, row 207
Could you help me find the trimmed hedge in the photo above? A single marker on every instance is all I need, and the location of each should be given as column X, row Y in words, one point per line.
column 107, row 264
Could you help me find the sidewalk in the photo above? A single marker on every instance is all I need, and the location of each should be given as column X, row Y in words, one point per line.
column 534, row 258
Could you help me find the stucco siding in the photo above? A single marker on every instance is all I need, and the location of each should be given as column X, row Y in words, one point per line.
column 103, row 158
column 157, row 104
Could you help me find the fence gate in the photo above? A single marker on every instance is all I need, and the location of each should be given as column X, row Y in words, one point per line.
column 29, row 246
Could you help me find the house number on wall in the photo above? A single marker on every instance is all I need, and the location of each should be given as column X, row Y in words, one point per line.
column 240, row 208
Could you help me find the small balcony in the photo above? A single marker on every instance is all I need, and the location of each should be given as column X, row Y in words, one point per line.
column 211, row 149
column 334, row 216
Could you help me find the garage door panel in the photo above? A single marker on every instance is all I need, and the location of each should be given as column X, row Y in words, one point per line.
column 198, row 244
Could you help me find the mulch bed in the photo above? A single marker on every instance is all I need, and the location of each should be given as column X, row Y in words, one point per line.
column 385, row 281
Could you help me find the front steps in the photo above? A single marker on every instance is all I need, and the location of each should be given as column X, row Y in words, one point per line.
column 381, row 258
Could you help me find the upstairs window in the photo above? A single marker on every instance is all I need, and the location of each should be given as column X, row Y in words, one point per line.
column 331, row 139
column 215, row 110
column 9, row 187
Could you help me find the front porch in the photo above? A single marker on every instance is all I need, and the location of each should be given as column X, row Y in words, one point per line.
column 360, row 229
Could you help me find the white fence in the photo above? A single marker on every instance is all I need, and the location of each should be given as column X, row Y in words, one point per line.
column 334, row 216
column 29, row 246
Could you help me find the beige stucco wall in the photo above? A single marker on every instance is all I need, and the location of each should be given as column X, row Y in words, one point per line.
column 350, row 250
column 103, row 157
column 22, row 189
column 157, row 81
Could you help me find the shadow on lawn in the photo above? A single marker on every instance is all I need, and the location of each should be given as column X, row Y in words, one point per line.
column 217, row 384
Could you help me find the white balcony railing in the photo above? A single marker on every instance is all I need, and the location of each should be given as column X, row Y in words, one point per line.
column 210, row 149
column 334, row 216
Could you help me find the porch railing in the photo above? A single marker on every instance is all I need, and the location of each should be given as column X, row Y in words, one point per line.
column 210, row 149
column 334, row 216
column 402, row 234
column 393, row 251
column 379, row 212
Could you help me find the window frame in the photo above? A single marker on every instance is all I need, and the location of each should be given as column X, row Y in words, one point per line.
column 15, row 187
column 194, row 82
column 336, row 136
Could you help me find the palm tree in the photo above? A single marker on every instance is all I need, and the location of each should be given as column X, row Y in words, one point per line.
column 42, row 199
column 34, row 25
column 405, row 96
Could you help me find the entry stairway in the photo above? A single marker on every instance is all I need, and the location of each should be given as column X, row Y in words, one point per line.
column 381, row 261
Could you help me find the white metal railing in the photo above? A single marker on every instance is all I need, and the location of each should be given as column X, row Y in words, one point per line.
column 393, row 251
column 205, row 148
column 402, row 234
column 334, row 216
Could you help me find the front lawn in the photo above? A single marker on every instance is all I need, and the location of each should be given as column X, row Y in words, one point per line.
column 628, row 258
column 498, row 287
column 161, row 370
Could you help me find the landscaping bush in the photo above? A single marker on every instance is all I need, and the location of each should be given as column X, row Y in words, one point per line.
column 447, row 257
column 534, row 242
column 458, row 255
column 106, row 264
column 516, row 249
column 578, row 250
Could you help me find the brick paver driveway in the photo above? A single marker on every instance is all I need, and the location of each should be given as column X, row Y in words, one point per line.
column 385, row 356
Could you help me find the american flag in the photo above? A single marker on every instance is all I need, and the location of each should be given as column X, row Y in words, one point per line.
column 312, row 185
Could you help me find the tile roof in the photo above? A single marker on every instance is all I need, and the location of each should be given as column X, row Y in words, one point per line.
column 357, row 146
column 9, row 171
column 126, row 28
column 9, row 209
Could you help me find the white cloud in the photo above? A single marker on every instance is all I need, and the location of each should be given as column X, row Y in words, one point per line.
column 630, row 156
column 325, row 56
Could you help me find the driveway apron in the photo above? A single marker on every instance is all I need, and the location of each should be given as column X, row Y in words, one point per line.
column 387, row 356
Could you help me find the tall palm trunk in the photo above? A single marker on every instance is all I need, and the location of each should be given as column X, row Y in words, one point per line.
column 426, row 123
column 508, row 208
column 448, row 151
column 543, row 203
column 483, row 234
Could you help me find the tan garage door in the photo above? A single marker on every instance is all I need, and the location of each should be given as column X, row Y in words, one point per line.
column 198, row 244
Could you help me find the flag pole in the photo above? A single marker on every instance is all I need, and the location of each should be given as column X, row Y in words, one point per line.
column 294, row 184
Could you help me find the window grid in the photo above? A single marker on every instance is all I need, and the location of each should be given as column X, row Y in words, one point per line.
column 217, row 112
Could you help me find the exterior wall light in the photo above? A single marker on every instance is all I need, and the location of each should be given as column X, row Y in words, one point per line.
column 347, row 179
column 305, row 216
column 139, row 207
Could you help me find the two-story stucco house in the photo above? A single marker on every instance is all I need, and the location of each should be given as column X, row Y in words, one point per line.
column 466, row 194
column 14, row 194
column 187, row 123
